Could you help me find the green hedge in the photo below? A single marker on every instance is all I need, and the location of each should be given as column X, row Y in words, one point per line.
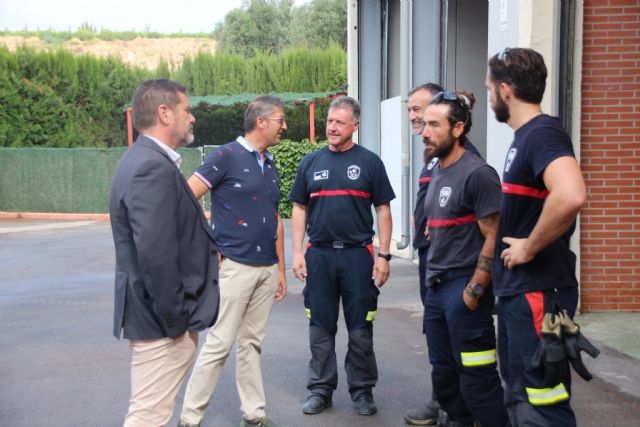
column 287, row 156
column 56, row 99
column 217, row 125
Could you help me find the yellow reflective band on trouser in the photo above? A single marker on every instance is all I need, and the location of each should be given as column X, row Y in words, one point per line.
column 547, row 396
column 478, row 358
column 371, row 316
column 308, row 310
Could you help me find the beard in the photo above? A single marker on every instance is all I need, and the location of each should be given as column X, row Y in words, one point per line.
column 187, row 139
column 445, row 149
column 501, row 109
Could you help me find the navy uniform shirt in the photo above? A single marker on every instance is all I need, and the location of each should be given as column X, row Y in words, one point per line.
column 458, row 195
column 245, row 194
column 536, row 144
column 338, row 189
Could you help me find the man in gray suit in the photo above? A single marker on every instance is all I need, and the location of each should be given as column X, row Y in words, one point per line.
column 166, row 286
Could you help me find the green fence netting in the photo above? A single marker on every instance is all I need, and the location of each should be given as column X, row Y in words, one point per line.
column 65, row 180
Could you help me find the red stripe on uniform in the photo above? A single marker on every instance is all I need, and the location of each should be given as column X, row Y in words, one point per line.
column 425, row 179
column 452, row 222
column 536, row 302
column 328, row 193
column 521, row 190
column 370, row 247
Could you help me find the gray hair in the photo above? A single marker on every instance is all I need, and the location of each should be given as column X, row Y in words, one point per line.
column 262, row 106
column 347, row 102
column 432, row 88
column 149, row 96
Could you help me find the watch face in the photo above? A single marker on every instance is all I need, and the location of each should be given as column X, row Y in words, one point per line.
column 477, row 289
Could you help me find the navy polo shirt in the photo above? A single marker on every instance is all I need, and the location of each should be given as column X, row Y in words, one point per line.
column 536, row 144
column 245, row 193
column 339, row 189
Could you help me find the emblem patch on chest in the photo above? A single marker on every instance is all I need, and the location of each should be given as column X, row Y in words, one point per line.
column 353, row 172
column 510, row 156
column 320, row 175
column 445, row 192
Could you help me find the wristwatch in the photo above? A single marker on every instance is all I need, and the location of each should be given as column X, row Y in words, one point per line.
column 385, row 256
column 474, row 290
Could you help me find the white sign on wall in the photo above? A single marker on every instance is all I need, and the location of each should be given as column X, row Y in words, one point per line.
column 503, row 15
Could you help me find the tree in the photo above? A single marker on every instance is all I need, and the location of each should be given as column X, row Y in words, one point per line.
column 260, row 25
column 274, row 25
column 327, row 22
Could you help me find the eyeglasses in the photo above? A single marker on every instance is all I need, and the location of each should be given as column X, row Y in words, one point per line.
column 453, row 97
column 280, row 120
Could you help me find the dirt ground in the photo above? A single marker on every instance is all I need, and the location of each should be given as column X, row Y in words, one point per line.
column 142, row 52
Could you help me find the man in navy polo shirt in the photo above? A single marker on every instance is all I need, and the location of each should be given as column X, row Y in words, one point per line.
column 534, row 268
column 333, row 192
column 246, row 225
column 462, row 206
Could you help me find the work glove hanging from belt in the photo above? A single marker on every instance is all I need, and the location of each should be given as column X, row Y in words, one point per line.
column 551, row 352
column 574, row 342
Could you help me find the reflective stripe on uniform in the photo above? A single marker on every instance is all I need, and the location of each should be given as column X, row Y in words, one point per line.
column 547, row 396
column 308, row 310
column 371, row 316
column 478, row 358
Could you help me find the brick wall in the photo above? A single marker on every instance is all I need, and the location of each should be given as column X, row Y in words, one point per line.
column 610, row 156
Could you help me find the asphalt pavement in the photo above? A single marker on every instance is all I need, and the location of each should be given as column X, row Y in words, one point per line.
column 60, row 365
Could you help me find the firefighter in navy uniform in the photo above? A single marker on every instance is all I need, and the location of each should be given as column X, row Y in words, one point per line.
column 542, row 193
column 333, row 193
column 462, row 206
column 419, row 98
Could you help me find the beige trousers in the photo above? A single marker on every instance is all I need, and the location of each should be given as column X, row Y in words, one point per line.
column 246, row 296
column 158, row 367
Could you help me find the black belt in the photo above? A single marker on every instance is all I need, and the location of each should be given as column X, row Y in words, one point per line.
column 339, row 244
column 450, row 275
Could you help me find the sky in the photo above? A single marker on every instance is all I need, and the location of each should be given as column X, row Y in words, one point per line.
column 163, row 16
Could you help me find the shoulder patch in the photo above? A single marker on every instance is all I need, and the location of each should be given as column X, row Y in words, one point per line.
column 321, row 175
column 510, row 156
column 432, row 164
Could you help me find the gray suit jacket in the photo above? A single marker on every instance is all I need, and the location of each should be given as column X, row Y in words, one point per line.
column 166, row 259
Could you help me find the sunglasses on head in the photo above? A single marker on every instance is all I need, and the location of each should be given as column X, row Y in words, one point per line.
column 504, row 55
column 453, row 97
column 447, row 96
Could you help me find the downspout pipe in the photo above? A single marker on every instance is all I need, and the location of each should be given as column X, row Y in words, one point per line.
column 405, row 75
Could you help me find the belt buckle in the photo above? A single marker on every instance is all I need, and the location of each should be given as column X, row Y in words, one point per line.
column 337, row 244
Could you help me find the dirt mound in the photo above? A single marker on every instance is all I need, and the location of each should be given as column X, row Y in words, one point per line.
column 141, row 52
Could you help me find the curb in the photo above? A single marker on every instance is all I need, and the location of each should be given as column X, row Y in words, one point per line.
column 63, row 216
column 55, row 216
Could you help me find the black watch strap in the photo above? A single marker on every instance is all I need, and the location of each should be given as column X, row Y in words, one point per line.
column 385, row 256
